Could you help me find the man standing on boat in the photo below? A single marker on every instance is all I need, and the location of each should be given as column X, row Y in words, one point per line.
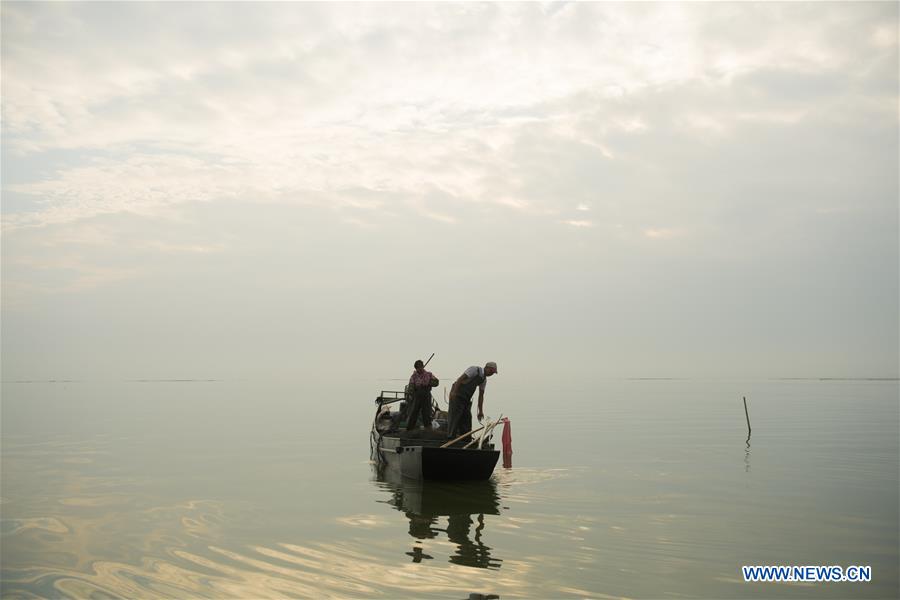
column 420, row 384
column 461, row 397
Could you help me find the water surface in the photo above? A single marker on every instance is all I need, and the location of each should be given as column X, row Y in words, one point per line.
column 640, row 489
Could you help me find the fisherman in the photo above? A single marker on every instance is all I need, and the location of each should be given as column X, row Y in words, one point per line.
column 420, row 384
column 461, row 397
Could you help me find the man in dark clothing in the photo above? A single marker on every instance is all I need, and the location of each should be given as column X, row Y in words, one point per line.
column 420, row 384
column 461, row 397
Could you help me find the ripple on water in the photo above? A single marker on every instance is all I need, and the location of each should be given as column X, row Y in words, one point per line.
column 92, row 501
column 16, row 526
column 284, row 569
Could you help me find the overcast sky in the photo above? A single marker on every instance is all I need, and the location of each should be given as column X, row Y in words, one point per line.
column 221, row 190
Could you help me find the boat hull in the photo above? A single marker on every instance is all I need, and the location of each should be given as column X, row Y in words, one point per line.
column 436, row 463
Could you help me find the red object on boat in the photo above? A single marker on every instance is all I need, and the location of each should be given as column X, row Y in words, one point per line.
column 507, row 444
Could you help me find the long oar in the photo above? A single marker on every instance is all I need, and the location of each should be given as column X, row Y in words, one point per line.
column 454, row 440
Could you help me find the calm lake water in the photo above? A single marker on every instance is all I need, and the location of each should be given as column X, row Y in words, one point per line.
column 640, row 489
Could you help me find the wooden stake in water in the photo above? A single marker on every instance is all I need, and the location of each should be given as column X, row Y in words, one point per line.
column 747, row 414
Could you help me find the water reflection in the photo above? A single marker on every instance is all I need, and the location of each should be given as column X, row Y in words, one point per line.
column 453, row 509
column 81, row 530
column 747, row 456
column 749, row 432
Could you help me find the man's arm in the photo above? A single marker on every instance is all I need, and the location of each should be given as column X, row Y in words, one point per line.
column 480, row 404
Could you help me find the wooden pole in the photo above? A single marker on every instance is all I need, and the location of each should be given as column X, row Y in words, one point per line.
column 453, row 441
column 489, row 430
column 747, row 414
column 489, row 427
column 429, row 360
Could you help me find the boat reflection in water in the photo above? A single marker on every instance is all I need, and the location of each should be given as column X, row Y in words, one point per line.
column 454, row 509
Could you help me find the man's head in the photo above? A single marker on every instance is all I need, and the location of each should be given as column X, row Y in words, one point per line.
column 490, row 368
column 419, row 365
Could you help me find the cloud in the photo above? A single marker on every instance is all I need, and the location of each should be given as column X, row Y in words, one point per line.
column 530, row 107
column 183, row 248
column 274, row 163
column 59, row 274
column 579, row 223
column 661, row 233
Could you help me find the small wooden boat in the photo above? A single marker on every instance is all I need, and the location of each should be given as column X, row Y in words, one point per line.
column 424, row 453
column 423, row 458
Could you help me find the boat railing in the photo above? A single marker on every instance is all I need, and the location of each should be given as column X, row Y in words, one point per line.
column 390, row 396
column 385, row 398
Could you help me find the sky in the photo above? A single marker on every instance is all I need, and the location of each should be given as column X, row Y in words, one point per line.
column 329, row 191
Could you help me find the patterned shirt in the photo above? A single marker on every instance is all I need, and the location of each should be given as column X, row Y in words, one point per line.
column 421, row 380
